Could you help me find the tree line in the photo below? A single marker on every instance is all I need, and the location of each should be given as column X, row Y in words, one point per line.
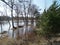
column 5, row 18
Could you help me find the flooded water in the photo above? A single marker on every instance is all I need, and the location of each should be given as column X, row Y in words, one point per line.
column 7, row 26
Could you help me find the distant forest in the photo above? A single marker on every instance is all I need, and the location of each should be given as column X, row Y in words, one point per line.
column 5, row 18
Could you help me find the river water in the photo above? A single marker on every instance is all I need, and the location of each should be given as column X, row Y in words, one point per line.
column 7, row 26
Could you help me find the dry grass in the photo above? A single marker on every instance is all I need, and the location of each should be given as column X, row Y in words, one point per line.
column 30, row 39
column 7, row 41
column 10, row 41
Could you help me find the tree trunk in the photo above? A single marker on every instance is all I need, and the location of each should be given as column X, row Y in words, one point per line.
column 12, row 2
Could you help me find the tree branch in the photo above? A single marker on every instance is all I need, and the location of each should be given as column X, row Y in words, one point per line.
column 6, row 3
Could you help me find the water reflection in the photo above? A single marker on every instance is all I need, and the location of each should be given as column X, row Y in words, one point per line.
column 7, row 26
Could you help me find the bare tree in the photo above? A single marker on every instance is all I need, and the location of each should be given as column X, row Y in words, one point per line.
column 33, row 11
column 26, row 5
column 17, row 10
column 12, row 3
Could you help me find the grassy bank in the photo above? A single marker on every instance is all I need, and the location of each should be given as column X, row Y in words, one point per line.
column 10, row 41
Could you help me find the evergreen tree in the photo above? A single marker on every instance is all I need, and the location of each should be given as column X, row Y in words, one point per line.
column 50, row 20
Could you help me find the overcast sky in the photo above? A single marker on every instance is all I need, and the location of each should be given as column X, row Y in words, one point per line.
column 40, row 3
